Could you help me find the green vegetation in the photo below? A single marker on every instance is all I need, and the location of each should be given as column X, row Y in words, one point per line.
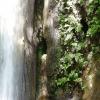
column 78, row 39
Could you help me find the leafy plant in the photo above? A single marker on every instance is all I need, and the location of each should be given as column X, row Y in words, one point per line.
column 76, row 44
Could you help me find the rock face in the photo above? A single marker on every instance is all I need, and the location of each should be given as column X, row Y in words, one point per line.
column 50, row 33
column 96, row 83
column 29, row 51
column 43, row 80
column 92, row 81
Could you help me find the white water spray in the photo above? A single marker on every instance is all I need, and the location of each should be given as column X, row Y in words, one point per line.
column 11, row 49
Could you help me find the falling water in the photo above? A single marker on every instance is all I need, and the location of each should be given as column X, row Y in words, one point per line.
column 12, row 22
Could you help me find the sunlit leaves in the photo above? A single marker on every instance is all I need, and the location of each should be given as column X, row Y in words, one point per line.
column 71, row 61
column 76, row 44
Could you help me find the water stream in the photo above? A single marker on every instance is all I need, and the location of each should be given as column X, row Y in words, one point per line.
column 12, row 22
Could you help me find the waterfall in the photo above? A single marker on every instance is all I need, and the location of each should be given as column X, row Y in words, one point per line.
column 13, row 17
